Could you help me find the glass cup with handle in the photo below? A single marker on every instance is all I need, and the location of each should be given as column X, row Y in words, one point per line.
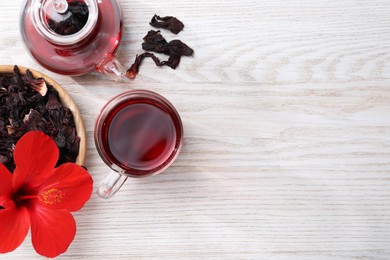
column 137, row 134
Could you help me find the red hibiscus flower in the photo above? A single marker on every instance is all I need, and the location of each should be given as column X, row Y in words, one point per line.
column 40, row 196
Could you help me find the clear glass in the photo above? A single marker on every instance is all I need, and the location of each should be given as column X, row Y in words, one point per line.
column 91, row 48
column 141, row 137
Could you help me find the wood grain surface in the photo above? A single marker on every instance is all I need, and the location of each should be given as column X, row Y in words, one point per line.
column 286, row 113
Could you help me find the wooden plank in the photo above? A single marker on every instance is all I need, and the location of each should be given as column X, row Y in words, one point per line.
column 286, row 110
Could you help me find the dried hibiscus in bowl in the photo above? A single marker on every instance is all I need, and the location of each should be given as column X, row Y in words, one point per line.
column 28, row 103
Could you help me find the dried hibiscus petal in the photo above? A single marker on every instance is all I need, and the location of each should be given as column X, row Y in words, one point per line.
column 39, row 84
column 168, row 22
column 132, row 72
column 155, row 42
column 34, row 121
column 10, row 129
column 172, row 62
column 177, row 47
column 52, row 102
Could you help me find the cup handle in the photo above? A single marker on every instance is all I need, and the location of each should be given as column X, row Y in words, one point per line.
column 111, row 184
column 111, row 67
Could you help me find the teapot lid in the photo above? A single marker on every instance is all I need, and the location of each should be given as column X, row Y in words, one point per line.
column 64, row 22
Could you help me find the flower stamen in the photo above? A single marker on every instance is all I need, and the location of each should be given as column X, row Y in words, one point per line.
column 52, row 196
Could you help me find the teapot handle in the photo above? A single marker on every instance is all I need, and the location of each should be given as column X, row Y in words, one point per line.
column 111, row 67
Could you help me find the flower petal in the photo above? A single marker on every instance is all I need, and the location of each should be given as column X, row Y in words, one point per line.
column 5, row 185
column 35, row 155
column 52, row 230
column 14, row 225
column 68, row 187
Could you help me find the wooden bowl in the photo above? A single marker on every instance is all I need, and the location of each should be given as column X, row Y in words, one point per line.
column 66, row 100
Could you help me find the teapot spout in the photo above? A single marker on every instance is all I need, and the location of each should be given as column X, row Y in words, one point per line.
column 111, row 67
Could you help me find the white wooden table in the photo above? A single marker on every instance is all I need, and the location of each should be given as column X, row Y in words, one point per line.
column 286, row 110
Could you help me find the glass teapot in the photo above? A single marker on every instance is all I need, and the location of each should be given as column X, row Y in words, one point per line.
column 73, row 37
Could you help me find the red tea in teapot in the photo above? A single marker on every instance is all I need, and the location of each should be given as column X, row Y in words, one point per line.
column 71, row 37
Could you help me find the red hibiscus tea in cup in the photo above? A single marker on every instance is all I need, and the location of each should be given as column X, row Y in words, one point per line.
column 138, row 133
column 139, row 136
